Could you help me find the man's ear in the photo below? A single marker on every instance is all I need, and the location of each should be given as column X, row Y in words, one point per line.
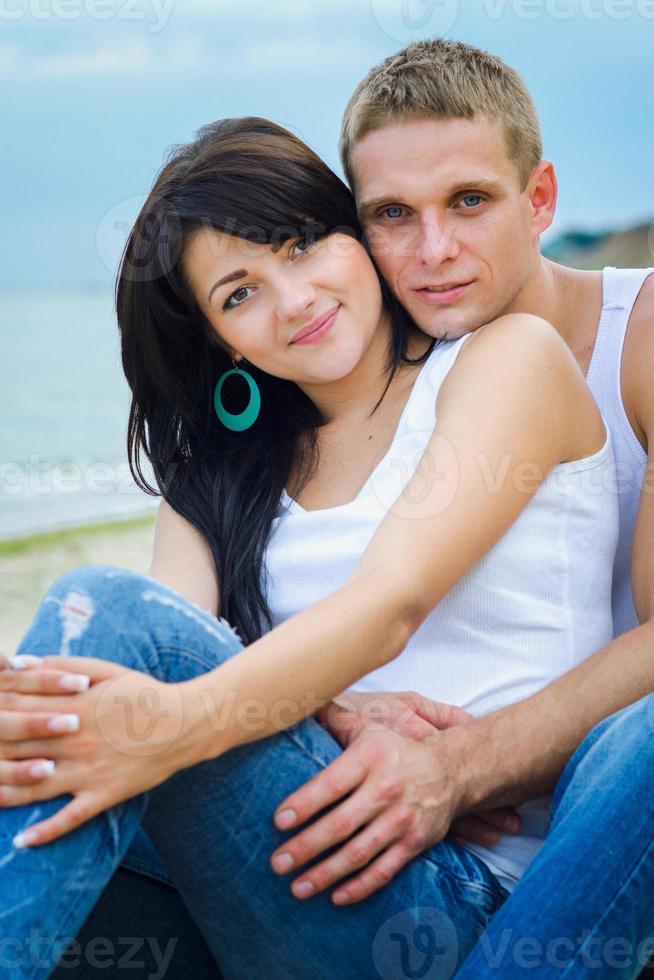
column 541, row 190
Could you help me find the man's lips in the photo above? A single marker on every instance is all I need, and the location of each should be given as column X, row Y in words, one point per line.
column 442, row 294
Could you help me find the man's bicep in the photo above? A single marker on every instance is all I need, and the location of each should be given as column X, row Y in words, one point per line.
column 642, row 562
column 639, row 367
column 182, row 559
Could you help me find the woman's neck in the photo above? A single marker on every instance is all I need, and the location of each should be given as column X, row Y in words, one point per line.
column 351, row 399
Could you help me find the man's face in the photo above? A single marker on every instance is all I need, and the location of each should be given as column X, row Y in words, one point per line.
column 451, row 231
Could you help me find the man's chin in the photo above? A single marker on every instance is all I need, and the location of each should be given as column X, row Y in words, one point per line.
column 444, row 329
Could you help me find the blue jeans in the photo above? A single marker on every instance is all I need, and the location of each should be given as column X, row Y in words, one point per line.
column 211, row 825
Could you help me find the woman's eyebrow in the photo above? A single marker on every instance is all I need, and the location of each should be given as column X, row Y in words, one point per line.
column 231, row 277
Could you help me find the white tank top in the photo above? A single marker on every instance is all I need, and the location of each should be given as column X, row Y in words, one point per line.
column 620, row 290
column 536, row 605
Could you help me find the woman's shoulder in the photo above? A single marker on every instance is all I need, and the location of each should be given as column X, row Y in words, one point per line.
column 525, row 331
column 514, row 349
column 521, row 361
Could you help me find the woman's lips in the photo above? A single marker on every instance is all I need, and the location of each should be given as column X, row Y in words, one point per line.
column 442, row 296
column 319, row 333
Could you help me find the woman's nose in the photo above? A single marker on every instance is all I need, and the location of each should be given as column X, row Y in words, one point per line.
column 294, row 297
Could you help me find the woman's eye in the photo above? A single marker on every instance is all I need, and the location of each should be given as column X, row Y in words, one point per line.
column 237, row 297
column 303, row 245
column 392, row 212
column 472, row 200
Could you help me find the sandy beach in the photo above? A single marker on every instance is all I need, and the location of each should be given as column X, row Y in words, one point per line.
column 29, row 565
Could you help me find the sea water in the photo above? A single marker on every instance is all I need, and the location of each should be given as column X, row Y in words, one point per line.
column 64, row 403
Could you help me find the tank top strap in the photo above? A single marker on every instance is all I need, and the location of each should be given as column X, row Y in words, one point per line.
column 420, row 412
column 620, row 288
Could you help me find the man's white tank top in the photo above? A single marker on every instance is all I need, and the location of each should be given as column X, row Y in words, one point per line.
column 536, row 605
column 620, row 289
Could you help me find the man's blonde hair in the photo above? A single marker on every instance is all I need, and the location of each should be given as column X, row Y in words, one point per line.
column 444, row 80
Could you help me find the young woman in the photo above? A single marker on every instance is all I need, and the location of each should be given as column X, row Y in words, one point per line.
column 386, row 513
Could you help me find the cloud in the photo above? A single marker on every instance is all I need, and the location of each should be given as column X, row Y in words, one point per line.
column 304, row 52
column 148, row 56
column 18, row 61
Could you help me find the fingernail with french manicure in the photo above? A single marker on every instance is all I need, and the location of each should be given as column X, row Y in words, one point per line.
column 74, row 682
column 40, row 770
column 64, row 723
column 25, row 839
column 25, row 660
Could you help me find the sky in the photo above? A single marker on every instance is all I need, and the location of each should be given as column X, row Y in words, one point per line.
column 96, row 91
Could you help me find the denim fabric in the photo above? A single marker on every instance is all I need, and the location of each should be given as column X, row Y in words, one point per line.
column 140, row 929
column 585, row 906
column 212, row 827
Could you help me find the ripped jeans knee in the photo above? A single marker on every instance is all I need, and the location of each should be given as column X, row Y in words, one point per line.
column 115, row 614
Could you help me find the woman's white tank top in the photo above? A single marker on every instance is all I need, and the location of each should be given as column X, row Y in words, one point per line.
column 535, row 606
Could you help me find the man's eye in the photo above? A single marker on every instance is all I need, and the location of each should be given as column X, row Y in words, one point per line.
column 392, row 212
column 472, row 200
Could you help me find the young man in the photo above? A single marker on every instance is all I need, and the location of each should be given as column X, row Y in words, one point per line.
column 441, row 145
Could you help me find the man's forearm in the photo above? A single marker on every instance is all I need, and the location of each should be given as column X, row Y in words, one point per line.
column 519, row 752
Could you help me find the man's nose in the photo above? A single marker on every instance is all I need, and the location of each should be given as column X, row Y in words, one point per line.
column 294, row 297
column 437, row 241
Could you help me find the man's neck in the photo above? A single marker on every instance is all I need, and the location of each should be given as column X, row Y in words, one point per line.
column 571, row 299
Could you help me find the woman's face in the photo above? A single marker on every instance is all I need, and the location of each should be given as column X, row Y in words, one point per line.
column 259, row 298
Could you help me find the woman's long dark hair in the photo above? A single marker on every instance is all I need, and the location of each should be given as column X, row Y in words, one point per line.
column 253, row 179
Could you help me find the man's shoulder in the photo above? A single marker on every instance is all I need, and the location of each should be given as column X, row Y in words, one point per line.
column 643, row 310
column 638, row 358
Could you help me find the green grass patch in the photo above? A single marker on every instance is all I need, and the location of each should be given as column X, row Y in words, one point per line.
column 46, row 539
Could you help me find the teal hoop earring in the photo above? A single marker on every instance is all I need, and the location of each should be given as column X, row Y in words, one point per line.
column 238, row 423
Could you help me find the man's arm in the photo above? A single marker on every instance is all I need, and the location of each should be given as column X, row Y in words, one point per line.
column 529, row 743
column 517, row 752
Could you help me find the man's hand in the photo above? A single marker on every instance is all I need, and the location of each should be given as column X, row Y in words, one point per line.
column 398, row 796
column 416, row 717
column 405, row 712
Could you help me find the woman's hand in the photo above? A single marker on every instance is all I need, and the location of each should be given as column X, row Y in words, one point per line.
column 17, row 725
column 123, row 735
column 416, row 717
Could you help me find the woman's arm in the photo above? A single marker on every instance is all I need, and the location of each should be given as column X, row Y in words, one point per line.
column 182, row 559
column 514, row 405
